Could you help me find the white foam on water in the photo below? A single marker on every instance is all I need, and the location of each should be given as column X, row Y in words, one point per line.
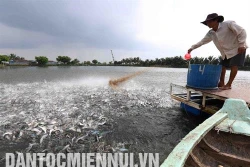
column 43, row 100
column 89, row 82
column 74, row 105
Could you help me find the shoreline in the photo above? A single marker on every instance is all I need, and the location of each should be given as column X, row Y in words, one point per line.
column 245, row 68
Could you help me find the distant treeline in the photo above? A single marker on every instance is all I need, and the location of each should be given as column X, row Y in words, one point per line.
column 175, row 62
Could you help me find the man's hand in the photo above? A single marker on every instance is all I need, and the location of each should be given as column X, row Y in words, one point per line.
column 190, row 50
column 241, row 50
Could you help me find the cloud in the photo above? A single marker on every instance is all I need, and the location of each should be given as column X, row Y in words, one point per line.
column 22, row 39
column 98, row 24
column 88, row 29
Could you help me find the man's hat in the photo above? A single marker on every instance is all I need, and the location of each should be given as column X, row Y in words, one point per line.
column 213, row 16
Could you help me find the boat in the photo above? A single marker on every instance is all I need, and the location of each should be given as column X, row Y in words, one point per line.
column 205, row 101
column 222, row 140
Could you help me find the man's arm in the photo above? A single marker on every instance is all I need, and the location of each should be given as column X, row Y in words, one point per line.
column 204, row 41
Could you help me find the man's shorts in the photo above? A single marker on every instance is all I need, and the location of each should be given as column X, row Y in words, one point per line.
column 237, row 60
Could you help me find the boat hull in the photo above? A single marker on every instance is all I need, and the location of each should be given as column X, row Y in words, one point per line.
column 221, row 149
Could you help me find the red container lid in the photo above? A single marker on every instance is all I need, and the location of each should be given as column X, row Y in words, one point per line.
column 187, row 56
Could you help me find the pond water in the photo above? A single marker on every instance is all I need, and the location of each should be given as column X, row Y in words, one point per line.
column 73, row 109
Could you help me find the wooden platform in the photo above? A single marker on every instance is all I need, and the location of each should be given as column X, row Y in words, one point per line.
column 207, row 95
column 235, row 93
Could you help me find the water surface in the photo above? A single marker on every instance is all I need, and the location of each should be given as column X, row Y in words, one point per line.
column 73, row 109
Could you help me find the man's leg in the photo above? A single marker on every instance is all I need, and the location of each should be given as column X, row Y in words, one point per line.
column 222, row 77
column 233, row 73
column 234, row 63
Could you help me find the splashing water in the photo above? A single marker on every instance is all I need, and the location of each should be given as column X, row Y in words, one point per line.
column 87, row 115
column 116, row 82
column 44, row 112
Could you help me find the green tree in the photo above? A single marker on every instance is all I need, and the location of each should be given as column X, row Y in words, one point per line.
column 88, row 62
column 178, row 61
column 94, row 61
column 42, row 60
column 63, row 59
column 197, row 60
column 12, row 56
column 247, row 60
column 4, row 58
column 168, row 61
column 75, row 62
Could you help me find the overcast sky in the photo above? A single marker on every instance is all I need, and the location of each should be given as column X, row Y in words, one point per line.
column 89, row 29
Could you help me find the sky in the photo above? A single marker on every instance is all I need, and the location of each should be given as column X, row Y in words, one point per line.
column 90, row 29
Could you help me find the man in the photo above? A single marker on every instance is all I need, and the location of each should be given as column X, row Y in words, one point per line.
column 230, row 40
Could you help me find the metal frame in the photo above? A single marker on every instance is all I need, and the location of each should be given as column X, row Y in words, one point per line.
column 193, row 102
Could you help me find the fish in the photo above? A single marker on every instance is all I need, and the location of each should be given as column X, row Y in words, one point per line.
column 80, row 124
column 38, row 132
column 82, row 138
column 102, row 123
column 72, row 141
column 72, row 128
column 33, row 124
column 42, row 138
column 30, row 146
column 45, row 150
column 7, row 133
column 67, row 146
column 50, row 131
column 43, row 128
column 52, row 122
column 20, row 134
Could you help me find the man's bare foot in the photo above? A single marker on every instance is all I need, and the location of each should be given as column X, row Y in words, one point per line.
column 221, row 84
column 225, row 87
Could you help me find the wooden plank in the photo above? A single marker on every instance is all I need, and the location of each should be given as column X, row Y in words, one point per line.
column 188, row 95
column 190, row 103
column 204, row 100
column 235, row 93
column 207, row 109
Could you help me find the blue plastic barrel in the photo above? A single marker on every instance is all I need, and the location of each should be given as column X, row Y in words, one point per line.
column 203, row 76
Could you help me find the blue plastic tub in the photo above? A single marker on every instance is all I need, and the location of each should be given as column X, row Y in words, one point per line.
column 194, row 111
column 203, row 76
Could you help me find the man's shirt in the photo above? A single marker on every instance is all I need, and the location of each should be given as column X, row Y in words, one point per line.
column 228, row 38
